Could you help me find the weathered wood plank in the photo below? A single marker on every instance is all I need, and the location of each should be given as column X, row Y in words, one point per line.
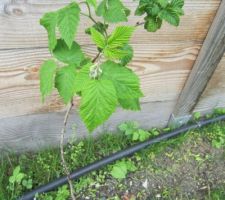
column 163, row 62
column 33, row 132
column 19, row 23
column 162, row 69
column 214, row 94
column 208, row 59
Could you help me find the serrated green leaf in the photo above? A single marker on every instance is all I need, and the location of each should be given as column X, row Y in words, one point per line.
column 170, row 16
column 116, row 42
column 100, row 27
column 74, row 55
column 115, row 53
column 130, row 104
column 125, row 80
column 64, row 82
column 177, row 3
column 47, row 74
column 152, row 24
column 141, row 8
column 98, row 102
column 92, row 2
column 120, row 36
column 127, row 58
column 98, row 38
column 112, row 11
column 49, row 21
column 163, row 3
column 82, row 77
column 101, row 9
column 68, row 20
column 153, row 10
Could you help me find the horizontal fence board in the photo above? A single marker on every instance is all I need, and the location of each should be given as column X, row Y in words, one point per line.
column 19, row 23
column 214, row 94
column 162, row 69
column 33, row 132
column 163, row 61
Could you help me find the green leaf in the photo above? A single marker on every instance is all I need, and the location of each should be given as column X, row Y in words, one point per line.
column 82, row 77
column 170, row 16
column 47, row 74
column 143, row 135
column 125, row 80
column 119, row 170
column 120, row 36
column 68, row 20
column 112, row 11
column 115, row 53
column 135, row 136
column 92, row 2
column 153, row 10
column 130, row 104
column 177, row 3
column 128, row 127
column 98, row 102
column 115, row 45
column 49, row 21
column 99, row 26
column 130, row 166
column 152, row 24
column 98, row 38
column 141, row 9
column 163, row 3
column 128, row 57
column 16, row 171
column 74, row 55
column 64, row 82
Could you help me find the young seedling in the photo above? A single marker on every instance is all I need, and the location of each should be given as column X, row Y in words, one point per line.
column 105, row 81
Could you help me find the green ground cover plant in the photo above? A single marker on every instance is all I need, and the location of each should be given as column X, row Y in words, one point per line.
column 194, row 151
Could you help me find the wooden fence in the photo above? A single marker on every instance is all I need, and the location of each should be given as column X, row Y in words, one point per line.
column 178, row 68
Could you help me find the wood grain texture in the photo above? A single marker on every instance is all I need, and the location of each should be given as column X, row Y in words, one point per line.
column 33, row 132
column 214, row 94
column 208, row 59
column 163, row 61
column 162, row 70
column 19, row 23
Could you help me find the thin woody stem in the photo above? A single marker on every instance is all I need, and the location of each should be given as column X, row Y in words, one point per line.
column 96, row 57
column 64, row 164
column 139, row 24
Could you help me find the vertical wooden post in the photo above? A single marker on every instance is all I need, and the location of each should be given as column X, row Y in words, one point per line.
column 209, row 56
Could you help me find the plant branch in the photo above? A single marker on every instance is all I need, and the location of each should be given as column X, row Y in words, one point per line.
column 139, row 24
column 64, row 164
column 89, row 12
column 96, row 57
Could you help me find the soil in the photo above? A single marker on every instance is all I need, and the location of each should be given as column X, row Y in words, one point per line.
column 190, row 171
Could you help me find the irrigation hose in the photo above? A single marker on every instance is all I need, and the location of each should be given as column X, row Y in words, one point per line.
column 116, row 156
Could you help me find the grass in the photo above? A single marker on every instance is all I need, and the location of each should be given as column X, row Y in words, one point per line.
column 192, row 155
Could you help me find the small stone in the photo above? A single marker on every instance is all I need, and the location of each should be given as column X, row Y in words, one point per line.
column 145, row 184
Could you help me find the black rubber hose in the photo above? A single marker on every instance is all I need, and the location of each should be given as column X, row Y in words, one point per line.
column 116, row 156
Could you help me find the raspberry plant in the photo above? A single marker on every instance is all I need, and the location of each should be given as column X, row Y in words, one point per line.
column 106, row 81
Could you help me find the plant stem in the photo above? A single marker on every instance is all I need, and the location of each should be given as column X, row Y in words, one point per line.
column 96, row 57
column 64, row 164
column 89, row 12
column 139, row 24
